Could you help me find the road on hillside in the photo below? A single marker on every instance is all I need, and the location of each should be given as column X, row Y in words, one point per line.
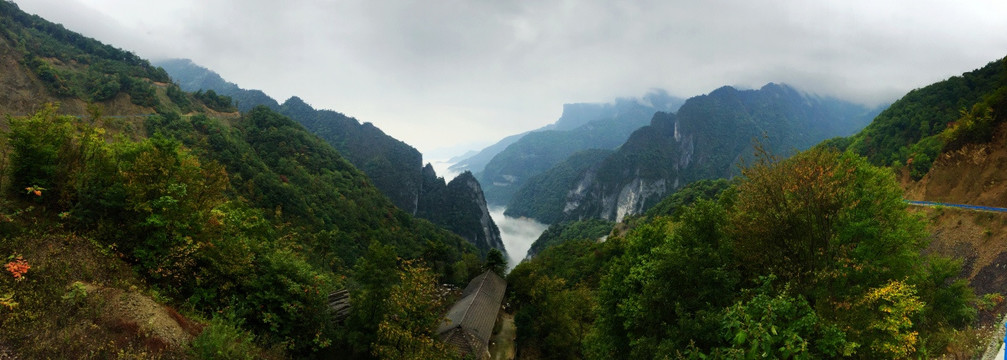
column 960, row 206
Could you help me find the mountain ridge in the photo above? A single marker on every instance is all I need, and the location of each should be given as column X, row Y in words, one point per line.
column 394, row 167
column 709, row 134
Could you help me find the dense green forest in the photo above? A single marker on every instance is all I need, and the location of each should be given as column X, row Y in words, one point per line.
column 233, row 229
column 814, row 256
column 591, row 230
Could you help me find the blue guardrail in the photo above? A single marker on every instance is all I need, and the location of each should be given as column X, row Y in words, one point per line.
column 961, row 206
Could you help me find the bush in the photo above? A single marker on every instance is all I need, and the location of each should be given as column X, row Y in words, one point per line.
column 224, row 339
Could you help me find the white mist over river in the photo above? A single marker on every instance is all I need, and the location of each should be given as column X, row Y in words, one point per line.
column 517, row 233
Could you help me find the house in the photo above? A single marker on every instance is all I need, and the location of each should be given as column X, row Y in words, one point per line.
column 468, row 325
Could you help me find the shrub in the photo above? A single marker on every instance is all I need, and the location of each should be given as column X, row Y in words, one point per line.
column 224, row 339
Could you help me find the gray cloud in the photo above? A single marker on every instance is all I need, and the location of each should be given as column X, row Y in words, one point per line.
column 438, row 73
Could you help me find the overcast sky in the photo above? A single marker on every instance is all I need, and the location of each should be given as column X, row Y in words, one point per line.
column 438, row 74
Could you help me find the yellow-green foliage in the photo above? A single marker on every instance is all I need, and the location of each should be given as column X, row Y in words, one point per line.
column 893, row 307
column 414, row 312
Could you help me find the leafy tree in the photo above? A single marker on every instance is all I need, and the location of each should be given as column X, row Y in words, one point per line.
column 215, row 101
column 414, row 312
column 496, row 262
column 666, row 291
column 828, row 223
column 36, row 142
column 373, row 278
column 889, row 332
column 780, row 326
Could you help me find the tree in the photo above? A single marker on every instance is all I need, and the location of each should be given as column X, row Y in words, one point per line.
column 407, row 331
column 667, row 290
column 374, row 276
column 496, row 262
column 828, row 224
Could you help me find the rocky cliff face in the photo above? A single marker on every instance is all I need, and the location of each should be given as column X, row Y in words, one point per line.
column 459, row 206
column 707, row 138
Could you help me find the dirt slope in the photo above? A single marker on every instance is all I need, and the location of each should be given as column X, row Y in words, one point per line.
column 975, row 175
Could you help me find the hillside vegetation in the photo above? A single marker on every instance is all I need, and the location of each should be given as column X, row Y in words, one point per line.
column 815, row 256
column 392, row 166
column 936, row 118
column 195, row 235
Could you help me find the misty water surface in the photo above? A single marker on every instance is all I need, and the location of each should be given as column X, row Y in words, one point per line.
column 518, row 234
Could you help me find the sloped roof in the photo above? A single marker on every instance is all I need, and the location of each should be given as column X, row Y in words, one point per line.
column 475, row 314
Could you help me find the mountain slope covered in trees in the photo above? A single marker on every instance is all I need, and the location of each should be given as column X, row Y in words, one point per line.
column 784, row 263
column 913, row 130
column 393, row 166
column 232, row 228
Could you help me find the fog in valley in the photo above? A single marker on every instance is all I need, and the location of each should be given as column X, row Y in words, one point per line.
column 518, row 234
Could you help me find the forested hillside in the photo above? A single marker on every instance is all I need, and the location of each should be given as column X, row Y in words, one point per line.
column 815, row 256
column 230, row 231
column 191, row 77
column 393, row 166
column 938, row 117
column 454, row 203
column 589, row 126
column 43, row 62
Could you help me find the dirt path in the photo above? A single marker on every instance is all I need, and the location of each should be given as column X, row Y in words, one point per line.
column 502, row 343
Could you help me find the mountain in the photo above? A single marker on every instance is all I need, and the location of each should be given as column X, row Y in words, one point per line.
column 164, row 228
column 192, row 77
column 909, row 131
column 393, row 166
column 582, row 127
column 453, row 203
column 44, row 62
column 477, row 162
column 706, row 139
column 543, row 196
column 947, row 141
column 574, row 116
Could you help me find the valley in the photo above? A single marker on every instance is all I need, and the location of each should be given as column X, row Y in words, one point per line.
column 152, row 209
